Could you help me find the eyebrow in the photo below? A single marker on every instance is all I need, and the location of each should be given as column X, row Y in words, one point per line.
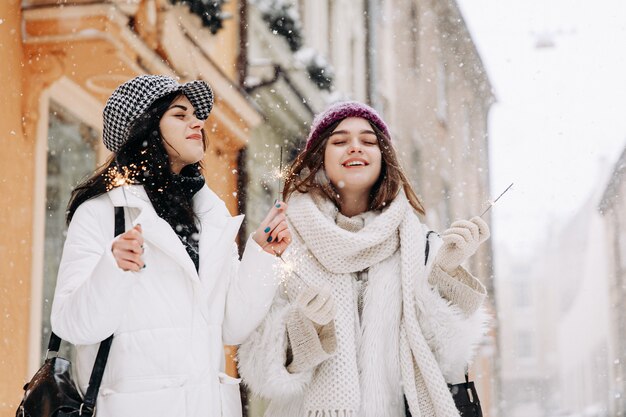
column 179, row 106
column 345, row 132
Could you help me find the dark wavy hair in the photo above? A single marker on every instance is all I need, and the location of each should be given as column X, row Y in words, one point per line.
column 306, row 174
column 144, row 156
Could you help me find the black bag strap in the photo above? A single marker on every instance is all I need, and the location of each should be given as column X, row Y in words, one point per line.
column 427, row 246
column 55, row 343
column 89, row 402
column 96, row 375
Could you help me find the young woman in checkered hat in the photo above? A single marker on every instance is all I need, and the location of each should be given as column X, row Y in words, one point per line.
column 171, row 289
column 377, row 315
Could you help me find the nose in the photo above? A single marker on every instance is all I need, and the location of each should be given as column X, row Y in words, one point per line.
column 355, row 147
column 196, row 123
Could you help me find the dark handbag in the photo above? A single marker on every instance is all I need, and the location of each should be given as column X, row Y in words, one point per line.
column 466, row 398
column 52, row 392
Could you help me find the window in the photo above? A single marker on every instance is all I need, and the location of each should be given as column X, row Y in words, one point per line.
column 415, row 37
column 522, row 294
column 442, row 93
column 620, row 234
column 445, row 205
column 466, row 129
column 71, row 157
column 524, row 345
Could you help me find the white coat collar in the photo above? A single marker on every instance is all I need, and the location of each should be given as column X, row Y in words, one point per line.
column 218, row 230
column 136, row 196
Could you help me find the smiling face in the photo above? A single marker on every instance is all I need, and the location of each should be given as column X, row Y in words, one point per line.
column 182, row 134
column 352, row 158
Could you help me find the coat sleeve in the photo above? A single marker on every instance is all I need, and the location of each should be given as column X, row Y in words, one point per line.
column 252, row 285
column 451, row 316
column 262, row 358
column 92, row 292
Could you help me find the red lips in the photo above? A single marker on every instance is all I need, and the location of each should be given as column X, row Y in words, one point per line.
column 195, row 136
column 354, row 162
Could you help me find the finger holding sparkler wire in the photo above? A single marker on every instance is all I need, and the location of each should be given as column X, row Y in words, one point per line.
column 274, row 229
column 273, row 234
column 128, row 249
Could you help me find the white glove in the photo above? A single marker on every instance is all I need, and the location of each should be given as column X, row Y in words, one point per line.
column 317, row 305
column 460, row 242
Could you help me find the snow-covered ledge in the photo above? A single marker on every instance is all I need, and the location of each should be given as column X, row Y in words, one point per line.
column 293, row 92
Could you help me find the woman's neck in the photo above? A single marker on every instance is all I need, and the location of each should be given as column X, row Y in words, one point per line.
column 176, row 167
column 353, row 203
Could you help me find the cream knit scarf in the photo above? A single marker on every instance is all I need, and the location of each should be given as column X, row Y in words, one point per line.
column 325, row 254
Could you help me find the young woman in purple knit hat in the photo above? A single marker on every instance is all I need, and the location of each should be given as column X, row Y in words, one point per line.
column 377, row 316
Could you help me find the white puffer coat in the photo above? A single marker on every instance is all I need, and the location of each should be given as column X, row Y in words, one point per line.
column 169, row 321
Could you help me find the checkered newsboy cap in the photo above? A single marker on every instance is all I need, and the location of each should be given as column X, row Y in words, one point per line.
column 133, row 98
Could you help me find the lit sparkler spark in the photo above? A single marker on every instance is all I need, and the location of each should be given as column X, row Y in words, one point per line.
column 492, row 203
column 271, row 175
column 119, row 178
column 122, row 179
column 289, row 268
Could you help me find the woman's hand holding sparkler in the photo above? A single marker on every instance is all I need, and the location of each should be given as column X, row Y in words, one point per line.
column 273, row 234
column 128, row 249
column 460, row 242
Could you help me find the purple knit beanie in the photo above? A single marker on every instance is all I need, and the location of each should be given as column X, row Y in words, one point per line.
column 340, row 111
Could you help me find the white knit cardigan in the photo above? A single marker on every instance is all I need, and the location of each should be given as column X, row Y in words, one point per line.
column 449, row 318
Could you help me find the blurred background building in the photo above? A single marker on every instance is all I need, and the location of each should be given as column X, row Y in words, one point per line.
column 563, row 348
column 554, row 346
column 613, row 210
column 273, row 64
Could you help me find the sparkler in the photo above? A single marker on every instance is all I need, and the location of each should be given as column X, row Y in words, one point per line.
column 492, row 203
column 288, row 267
column 278, row 175
column 280, row 171
column 122, row 179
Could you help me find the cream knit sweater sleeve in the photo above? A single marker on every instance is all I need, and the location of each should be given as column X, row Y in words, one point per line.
column 262, row 358
column 310, row 344
column 451, row 316
column 460, row 288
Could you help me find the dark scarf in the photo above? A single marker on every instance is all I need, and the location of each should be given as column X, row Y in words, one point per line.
column 179, row 193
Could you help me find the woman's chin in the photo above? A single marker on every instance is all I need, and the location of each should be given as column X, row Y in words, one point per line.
column 355, row 183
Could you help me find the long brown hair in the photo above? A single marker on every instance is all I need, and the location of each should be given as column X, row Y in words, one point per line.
column 306, row 174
